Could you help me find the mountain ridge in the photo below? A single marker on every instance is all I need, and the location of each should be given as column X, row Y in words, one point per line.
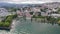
column 3, row 4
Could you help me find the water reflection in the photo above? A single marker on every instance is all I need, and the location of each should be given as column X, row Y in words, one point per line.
column 44, row 21
column 33, row 27
column 28, row 27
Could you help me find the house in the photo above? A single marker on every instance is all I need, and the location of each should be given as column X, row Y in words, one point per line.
column 27, row 14
column 19, row 13
column 36, row 9
column 55, row 10
column 44, row 14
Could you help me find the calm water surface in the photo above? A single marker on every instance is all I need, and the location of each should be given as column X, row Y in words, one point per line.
column 28, row 27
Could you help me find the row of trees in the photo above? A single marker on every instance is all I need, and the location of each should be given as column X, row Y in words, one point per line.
column 49, row 19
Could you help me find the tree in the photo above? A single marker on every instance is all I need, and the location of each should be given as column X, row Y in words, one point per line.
column 58, row 10
column 6, row 24
column 1, row 24
column 31, row 13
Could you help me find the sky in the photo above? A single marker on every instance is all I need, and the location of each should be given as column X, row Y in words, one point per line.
column 29, row 1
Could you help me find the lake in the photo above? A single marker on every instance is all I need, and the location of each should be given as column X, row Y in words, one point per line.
column 22, row 26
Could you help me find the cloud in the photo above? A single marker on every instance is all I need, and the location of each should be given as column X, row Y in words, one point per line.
column 22, row 1
column 29, row 1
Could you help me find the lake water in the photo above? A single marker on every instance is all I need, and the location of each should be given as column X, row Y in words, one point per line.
column 27, row 27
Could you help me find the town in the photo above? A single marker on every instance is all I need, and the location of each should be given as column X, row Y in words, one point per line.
column 36, row 12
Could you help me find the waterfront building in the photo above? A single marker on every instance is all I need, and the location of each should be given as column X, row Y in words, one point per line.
column 55, row 15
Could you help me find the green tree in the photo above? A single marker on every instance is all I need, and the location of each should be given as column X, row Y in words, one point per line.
column 6, row 24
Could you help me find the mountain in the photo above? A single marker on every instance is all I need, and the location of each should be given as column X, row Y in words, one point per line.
column 50, row 5
column 2, row 4
column 6, row 5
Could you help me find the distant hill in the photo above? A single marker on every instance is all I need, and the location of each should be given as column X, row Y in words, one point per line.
column 50, row 5
column 5, row 5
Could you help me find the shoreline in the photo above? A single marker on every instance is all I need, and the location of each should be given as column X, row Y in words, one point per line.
column 13, row 24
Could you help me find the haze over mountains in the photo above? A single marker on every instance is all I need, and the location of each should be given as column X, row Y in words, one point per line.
column 51, row 4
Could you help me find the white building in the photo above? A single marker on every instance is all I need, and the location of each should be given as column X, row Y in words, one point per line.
column 19, row 13
column 55, row 15
column 44, row 14
column 54, row 10
column 36, row 9
column 3, row 12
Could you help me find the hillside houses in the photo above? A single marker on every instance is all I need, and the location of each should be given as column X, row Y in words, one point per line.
column 3, row 12
column 29, row 11
column 37, row 11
